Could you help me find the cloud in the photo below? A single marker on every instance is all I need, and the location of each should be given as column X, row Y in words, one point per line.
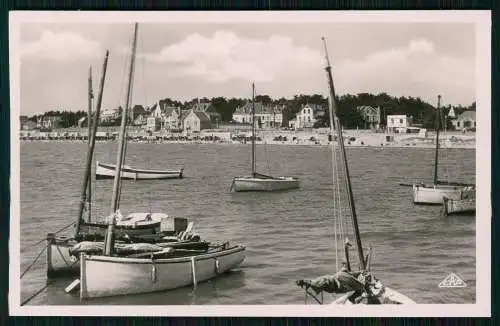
column 226, row 56
column 415, row 70
column 67, row 46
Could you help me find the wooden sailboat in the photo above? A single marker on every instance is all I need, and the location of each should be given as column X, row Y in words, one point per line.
column 60, row 258
column 258, row 181
column 434, row 193
column 355, row 287
column 157, row 269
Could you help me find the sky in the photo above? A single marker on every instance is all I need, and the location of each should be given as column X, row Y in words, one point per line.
column 183, row 61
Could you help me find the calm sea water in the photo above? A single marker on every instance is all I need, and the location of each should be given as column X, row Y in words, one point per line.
column 289, row 235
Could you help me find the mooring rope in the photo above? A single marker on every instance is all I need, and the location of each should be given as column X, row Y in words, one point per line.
column 34, row 261
column 58, row 231
column 36, row 293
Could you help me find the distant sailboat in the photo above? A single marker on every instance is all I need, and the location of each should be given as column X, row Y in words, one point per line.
column 258, row 181
column 355, row 287
column 434, row 193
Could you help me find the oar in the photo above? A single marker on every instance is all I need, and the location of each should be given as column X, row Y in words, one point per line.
column 406, row 184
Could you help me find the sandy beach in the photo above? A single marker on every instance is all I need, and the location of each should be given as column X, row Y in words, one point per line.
column 315, row 137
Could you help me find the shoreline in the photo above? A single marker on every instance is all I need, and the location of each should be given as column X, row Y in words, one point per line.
column 235, row 143
column 315, row 138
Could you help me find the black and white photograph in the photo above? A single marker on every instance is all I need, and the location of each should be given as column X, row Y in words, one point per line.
column 250, row 163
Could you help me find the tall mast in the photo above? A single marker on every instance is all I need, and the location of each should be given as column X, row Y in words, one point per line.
column 89, row 119
column 90, row 150
column 253, row 129
column 334, row 119
column 436, row 158
column 109, row 241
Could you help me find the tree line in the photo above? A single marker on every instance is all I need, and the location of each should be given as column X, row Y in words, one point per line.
column 422, row 113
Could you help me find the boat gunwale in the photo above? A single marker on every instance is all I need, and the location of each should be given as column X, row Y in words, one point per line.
column 281, row 179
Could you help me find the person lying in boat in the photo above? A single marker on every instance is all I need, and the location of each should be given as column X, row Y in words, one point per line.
column 364, row 286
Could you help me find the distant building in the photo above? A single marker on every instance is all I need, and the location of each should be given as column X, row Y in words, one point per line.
column 49, row 122
column 292, row 123
column 466, row 119
column 28, row 125
column 371, row 116
column 308, row 115
column 82, row 122
column 108, row 115
column 265, row 115
column 209, row 109
column 195, row 121
column 169, row 115
column 451, row 114
column 140, row 120
column 153, row 123
column 398, row 123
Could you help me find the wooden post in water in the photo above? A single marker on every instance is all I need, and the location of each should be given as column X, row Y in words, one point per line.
column 109, row 239
column 334, row 119
column 90, row 151
column 438, row 117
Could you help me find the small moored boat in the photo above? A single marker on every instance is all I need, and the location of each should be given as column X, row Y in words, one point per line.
column 257, row 181
column 107, row 171
column 459, row 206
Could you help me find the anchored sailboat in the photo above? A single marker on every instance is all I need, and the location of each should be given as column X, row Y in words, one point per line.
column 434, row 193
column 258, row 181
column 62, row 258
column 158, row 267
column 355, row 286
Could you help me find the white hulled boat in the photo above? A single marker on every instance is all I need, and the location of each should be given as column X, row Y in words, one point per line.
column 258, row 181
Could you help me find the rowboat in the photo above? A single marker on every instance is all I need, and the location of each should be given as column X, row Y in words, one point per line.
column 459, row 206
column 144, row 275
column 353, row 286
column 258, row 181
column 107, row 171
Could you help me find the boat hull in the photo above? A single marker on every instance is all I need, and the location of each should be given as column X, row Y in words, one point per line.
column 107, row 171
column 434, row 194
column 60, row 262
column 461, row 206
column 241, row 184
column 390, row 296
column 124, row 276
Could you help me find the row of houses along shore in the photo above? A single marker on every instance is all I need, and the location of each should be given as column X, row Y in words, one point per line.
column 203, row 116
